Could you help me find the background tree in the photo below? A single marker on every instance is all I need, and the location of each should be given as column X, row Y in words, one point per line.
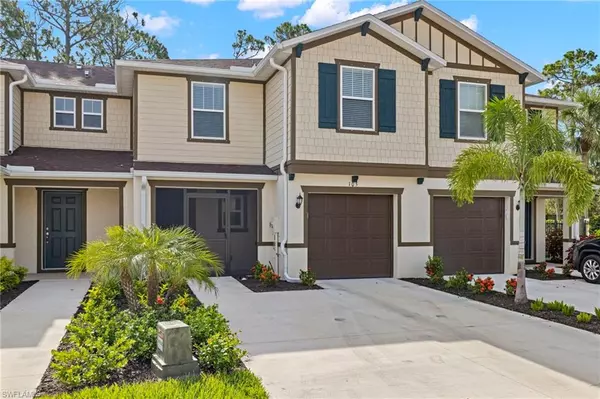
column 248, row 46
column 75, row 22
column 21, row 35
column 528, row 150
column 583, row 123
column 120, row 37
column 575, row 71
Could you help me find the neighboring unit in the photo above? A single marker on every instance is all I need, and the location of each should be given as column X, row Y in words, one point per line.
column 331, row 152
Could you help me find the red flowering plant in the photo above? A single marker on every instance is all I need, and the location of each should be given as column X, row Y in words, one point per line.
column 481, row 286
column 160, row 300
column 434, row 268
column 268, row 276
column 541, row 268
column 549, row 274
column 511, row 286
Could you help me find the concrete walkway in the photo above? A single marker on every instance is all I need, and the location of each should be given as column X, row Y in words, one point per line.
column 31, row 326
column 384, row 338
column 584, row 296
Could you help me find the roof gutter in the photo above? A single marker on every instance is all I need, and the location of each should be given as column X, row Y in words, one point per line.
column 26, row 171
column 11, row 122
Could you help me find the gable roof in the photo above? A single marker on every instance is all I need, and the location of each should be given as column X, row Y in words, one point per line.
column 461, row 31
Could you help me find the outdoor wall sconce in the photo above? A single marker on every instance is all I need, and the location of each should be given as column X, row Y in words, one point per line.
column 299, row 200
column 354, row 181
column 420, row 180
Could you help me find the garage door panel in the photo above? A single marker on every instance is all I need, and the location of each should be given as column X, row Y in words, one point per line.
column 470, row 236
column 352, row 237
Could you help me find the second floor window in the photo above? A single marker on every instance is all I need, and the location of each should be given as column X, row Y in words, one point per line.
column 92, row 114
column 357, row 108
column 472, row 99
column 64, row 112
column 208, row 111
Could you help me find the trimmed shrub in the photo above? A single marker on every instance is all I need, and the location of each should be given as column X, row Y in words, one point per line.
column 460, row 280
column 568, row 310
column 537, row 305
column 584, row 317
column 555, row 306
column 434, row 268
column 308, row 277
column 204, row 322
column 511, row 286
column 220, row 352
column 481, row 286
column 11, row 275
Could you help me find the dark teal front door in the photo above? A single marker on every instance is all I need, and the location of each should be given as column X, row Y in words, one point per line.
column 63, row 227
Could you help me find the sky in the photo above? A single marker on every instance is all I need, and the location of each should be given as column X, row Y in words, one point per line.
column 537, row 32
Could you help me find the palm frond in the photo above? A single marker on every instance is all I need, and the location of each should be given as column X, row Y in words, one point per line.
column 566, row 169
column 477, row 163
column 503, row 119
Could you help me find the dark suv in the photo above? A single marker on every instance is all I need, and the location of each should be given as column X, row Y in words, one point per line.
column 586, row 259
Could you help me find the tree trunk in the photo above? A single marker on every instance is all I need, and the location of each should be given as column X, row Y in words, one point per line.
column 521, row 293
column 129, row 290
column 152, row 285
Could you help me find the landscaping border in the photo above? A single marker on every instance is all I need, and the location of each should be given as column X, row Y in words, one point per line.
column 501, row 300
column 8, row 296
column 257, row 286
column 540, row 276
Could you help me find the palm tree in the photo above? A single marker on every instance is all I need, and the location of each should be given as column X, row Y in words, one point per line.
column 525, row 149
column 583, row 123
column 110, row 260
column 172, row 255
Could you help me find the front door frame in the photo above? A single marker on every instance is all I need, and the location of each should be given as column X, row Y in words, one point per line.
column 41, row 220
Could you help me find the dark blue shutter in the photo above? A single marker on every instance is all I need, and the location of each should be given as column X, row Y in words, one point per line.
column 447, row 109
column 328, row 96
column 497, row 91
column 387, row 100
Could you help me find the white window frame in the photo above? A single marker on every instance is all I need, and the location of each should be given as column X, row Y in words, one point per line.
column 192, row 135
column 342, row 97
column 83, row 114
column 74, row 112
column 459, row 109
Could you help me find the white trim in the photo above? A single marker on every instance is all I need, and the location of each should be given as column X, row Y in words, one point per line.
column 74, row 112
column 203, row 176
column 542, row 102
column 192, row 135
column 342, row 97
column 459, row 109
column 83, row 113
column 25, row 171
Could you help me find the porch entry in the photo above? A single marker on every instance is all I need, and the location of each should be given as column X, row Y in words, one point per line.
column 226, row 219
column 63, row 227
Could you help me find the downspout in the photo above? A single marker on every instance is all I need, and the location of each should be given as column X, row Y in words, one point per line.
column 284, row 175
column 143, row 202
column 11, row 128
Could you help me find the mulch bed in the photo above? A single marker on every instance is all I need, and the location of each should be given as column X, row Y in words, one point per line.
column 257, row 286
column 507, row 302
column 135, row 371
column 541, row 276
column 8, row 296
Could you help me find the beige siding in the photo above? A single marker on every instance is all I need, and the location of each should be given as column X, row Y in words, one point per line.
column 274, row 131
column 423, row 34
column 409, row 28
column 437, row 42
column 476, row 59
column 102, row 211
column 406, row 146
column 3, row 212
column 38, row 133
column 2, row 116
column 163, row 120
column 17, row 135
column 463, row 54
column 450, row 49
column 443, row 152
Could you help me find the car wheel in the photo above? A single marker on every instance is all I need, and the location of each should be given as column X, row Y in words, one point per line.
column 590, row 268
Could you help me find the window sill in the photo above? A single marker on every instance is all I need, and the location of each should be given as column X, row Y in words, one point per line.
column 471, row 141
column 74, row 129
column 198, row 140
column 352, row 131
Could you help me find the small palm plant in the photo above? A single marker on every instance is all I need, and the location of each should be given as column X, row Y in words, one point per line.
column 583, row 123
column 528, row 150
column 172, row 255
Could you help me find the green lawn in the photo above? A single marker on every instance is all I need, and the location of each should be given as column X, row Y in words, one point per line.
column 239, row 384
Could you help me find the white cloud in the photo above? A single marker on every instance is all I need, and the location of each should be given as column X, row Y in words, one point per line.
column 328, row 12
column 471, row 22
column 265, row 9
column 212, row 56
column 161, row 24
column 201, row 2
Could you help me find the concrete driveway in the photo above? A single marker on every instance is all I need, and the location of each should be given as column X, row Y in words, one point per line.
column 384, row 338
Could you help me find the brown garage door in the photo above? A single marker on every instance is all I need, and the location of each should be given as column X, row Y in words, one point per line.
column 350, row 235
column 469, row 236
